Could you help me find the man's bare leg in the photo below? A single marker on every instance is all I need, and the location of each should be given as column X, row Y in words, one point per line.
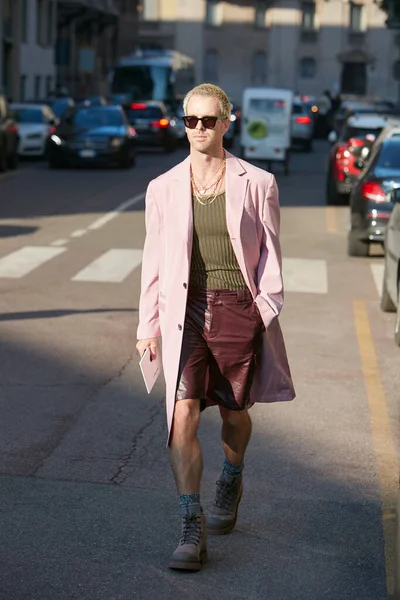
column 185, row 452
column 236, row 432
column 187, row 466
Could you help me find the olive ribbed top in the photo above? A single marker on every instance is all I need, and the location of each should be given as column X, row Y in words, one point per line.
column 214, row 265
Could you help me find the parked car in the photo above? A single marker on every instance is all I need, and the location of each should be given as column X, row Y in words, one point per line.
column 9, row 137
column 36, row 123
column 93, row 135
column 370, row 201
column 152, row 122
column 302, row 125
column 390, row 299
column 391, row 129
column 361, row 106
column 359, row 132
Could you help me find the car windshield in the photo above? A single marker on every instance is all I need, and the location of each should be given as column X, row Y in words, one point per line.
column 28, row 115
column 389, row 156
column 149, row 112
column 361, row 132
column 59, row 107
column 298, row 109
column 97, row 117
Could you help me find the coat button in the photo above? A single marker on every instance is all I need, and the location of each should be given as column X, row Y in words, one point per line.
column 180, row 327
column 185, row 285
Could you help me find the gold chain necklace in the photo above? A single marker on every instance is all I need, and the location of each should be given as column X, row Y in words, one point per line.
column 210, row 201
column 213, row 187
column 204, row 187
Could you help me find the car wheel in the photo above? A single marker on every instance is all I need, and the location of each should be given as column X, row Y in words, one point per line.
column 397, row 326
column 308, row 146
column 355, row 246
column 332, row 197
column 13, row 161
column 3, row 160
column 127, row 161
column 387, row 304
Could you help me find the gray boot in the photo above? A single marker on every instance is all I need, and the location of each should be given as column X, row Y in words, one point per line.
column 222, row 516
column 191, row 552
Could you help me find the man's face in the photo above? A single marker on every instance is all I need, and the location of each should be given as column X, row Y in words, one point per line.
column 201, row 139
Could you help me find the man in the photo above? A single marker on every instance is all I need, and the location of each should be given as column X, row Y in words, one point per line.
column 212, row 289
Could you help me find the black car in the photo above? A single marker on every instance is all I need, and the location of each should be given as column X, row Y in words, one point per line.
column 153, row 124
column 9, row 138
column 370, row 201
column 88, row 135
column 390, row 299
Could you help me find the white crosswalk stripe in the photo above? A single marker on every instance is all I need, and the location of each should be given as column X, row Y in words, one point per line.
column 306, row 275
column 377, row 273
column 27, row 259
column 111, row 267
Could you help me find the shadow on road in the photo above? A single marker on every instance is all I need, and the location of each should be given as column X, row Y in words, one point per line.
column 89, row 510
column 49, row 314
column 14, row 230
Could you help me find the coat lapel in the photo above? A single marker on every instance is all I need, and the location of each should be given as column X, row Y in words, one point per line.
column 182, row 192
column 236, row 189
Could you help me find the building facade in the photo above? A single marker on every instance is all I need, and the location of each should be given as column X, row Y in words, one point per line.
column 9, row 48
column 37, row 72
column 304, row 45
column 87, row 45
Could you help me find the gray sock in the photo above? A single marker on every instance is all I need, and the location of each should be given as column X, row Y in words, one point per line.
column 230, row 472
column 190, row 504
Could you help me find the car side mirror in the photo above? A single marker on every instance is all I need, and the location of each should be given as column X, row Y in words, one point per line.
column 332, row 137
column 359, row 164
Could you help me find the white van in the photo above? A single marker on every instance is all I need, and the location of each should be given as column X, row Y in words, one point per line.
column 266, row 125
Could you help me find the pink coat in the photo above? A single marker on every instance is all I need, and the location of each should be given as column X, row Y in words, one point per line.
column 253, row 219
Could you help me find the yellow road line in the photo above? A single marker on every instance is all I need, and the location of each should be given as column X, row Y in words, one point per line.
column 384, row 442
column 331, row 219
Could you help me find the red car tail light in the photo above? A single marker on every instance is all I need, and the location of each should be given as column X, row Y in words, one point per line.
column 138, row 106
column 303, row 120
column 132, row 131
column 52, row 130
column 341, row 176
column 12, row 128
column 372, row 190
column 160, row 124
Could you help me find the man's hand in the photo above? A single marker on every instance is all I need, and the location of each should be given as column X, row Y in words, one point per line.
column 150, row 343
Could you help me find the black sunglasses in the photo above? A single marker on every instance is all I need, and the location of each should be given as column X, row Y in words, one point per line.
column 207, row 122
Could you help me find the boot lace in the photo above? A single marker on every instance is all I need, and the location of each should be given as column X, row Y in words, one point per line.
column 225, row 495
column 191, row 529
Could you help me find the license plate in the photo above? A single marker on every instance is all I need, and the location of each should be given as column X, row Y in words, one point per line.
column 141, row 127
column 87, row 153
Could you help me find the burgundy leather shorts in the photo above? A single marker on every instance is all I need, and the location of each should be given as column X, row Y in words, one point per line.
column 221, row 339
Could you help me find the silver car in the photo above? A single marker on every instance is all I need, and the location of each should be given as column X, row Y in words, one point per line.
column 302, row 125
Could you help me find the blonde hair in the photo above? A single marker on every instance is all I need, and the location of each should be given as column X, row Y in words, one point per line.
column 211, row 91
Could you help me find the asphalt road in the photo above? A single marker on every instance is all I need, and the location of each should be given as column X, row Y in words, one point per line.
column 87, row 500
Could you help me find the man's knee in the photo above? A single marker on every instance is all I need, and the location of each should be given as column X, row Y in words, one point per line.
column 234, row 417
column 186, row 417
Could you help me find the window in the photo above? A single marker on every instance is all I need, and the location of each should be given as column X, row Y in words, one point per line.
column 38, row 85
column 356, row 17
column 308, row 16
column 22, row 88
column 50, row 19
column 39, row 19
column 211, row 66
column 49, row 83
column 24, row 19
column 396, row 70
column 308, row 68
column 213, row 15
column 259, row 68
column 260, row 12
